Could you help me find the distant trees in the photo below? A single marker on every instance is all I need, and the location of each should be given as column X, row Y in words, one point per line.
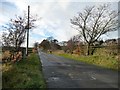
column 63, row 45
column 50, row 39
column 36, row 45
column 73, row 43
column 95, row 21
column 45, row 44
column 50, row 44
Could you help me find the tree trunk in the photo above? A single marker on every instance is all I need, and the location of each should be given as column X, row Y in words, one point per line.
column 93, row 50
column 15, row 45
column 88, row 49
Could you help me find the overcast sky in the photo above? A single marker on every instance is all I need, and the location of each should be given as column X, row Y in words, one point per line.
column 55, row 16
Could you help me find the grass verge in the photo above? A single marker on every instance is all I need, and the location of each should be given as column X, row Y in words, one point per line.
column 99, row 60
column 24, row 74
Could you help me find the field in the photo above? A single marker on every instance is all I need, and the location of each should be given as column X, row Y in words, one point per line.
column 26, row 73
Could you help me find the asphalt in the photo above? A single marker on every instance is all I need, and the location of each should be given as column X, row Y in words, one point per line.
column 60, row 72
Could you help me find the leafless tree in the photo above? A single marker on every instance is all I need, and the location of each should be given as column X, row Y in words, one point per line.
column 95, row 21
column 73, row 43
column 16, row 30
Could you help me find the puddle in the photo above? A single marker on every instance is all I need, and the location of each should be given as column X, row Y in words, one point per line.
column 81, row 76
column 63, row 64
column 53, row 78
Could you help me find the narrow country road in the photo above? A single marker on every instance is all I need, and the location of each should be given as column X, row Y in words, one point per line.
column 65, row 73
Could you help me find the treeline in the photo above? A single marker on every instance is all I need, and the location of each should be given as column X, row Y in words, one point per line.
column 75, row 45
column 50, row 44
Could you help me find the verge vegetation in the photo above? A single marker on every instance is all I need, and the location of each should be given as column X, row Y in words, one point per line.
column 26, row 73
column 100, row 58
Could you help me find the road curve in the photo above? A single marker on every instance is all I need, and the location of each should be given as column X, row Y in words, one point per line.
column 60, row 72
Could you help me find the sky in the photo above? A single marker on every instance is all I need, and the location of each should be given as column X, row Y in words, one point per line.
column 55, row 16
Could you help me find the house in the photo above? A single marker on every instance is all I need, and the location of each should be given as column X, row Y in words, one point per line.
column 111, row 42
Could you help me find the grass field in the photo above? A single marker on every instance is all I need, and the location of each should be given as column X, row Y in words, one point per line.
column 24, row 74
column 103, row 60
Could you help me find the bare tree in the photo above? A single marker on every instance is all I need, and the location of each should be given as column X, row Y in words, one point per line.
column 95, row 21
column 72, row 44
column 16, row 29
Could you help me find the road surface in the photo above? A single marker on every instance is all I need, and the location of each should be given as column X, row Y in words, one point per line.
column 60, row 72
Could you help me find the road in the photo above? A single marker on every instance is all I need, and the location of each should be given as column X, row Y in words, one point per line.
column 60, row 72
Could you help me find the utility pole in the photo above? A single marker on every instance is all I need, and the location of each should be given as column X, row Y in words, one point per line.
column 28, row 31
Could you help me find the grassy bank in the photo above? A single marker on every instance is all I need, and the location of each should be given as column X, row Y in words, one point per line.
column 100, row 60
column 24, row 74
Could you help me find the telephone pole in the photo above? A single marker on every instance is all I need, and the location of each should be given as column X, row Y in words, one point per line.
column 28, row 31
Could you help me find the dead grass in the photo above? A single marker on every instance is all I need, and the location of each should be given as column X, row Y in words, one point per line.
column 103, row 60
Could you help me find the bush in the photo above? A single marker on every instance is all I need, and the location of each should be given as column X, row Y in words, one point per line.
column 6, row 56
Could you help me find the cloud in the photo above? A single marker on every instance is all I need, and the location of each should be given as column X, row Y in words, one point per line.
column 3, row 20
column 55, row 15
